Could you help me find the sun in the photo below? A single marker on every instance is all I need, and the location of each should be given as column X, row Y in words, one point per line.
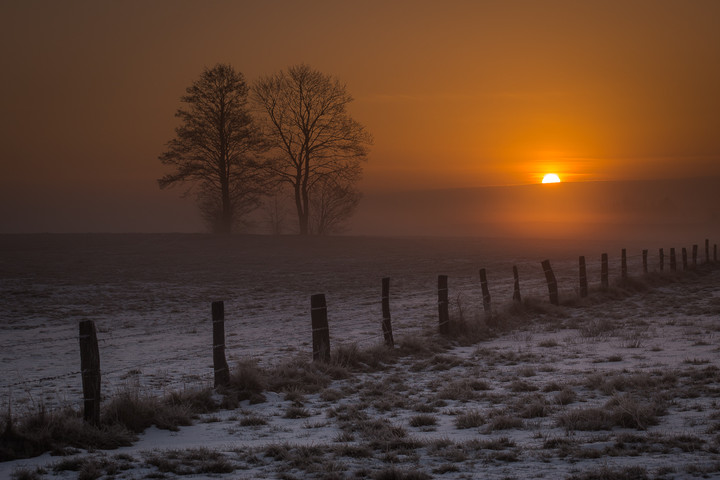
column 551, row 178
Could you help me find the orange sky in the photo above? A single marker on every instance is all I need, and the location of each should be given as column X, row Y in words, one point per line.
column 456, row 93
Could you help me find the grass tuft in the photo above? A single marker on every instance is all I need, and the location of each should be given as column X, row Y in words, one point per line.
column 607, row 473
column 136, row 411
column 294, row 412
column 25, row 474
column 393, row 473
column 504, row 421
column 194, row 461
column 252, row 421
column 469, row 419
column 57, row 430
column 423, row 420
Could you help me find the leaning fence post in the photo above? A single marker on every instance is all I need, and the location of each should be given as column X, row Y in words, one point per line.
column 684, row 258
column 485, row 291
column 623, row 265
column 320, row 329
column 386, row 322
column 516, row 287
column 662, row 259
column 694, row 256
column 645, row 264
column 583, row 278
column 222, row 372
column 673, row 262
column 90, row 371
column 551, row 281
column 604, row 271
column 443, row 313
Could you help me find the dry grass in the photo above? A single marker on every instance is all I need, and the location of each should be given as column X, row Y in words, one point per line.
column 294, row 411
column 503, row 421
column 462, row 390
column 468, row 332
column 355, row 359
column 625, row 411
column 303, row 376
column 129, row 412
column 470, row 419
column 253, row 421
column 607, row 473
column 56, row 431
column 423, row 420
column 27, row 474
column 566, row 396
column 394, row 473
column 200, row 461
column 137, row 411
column 248, row 378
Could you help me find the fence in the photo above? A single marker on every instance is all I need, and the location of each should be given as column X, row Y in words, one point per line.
column 90, row 371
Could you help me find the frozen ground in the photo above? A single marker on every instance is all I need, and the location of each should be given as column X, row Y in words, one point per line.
column 150, row 298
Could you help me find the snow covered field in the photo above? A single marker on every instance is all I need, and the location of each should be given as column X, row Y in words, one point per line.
column 150, row 295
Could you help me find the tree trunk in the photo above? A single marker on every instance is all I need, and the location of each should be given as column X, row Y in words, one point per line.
column 304, row 223
column 302, row 214
column 226, row 219
column 305, row 219
column 226, row 214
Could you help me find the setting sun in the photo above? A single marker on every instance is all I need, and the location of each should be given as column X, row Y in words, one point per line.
column 551, row 178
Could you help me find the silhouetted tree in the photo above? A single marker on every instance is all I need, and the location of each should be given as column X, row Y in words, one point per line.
column 333, row 201
column 276, row 208
column 314, row 140
column 215, row 148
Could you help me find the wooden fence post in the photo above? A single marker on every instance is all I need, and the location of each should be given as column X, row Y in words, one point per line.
column 623, row 265
column 707, row 250
column 485, row 291
column 90, row 371
column 222, row 372
column 645, row 264
column 583, row 278
column 662, row 259
column 320, row 329
column 604, row 271
column 694, row 256
column 673, row 263
column 386, row 323
column 516, row 287
column 551, row 281
column 443, row 313
column 684, row 258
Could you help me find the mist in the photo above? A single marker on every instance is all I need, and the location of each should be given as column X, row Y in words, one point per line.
column 672, row 210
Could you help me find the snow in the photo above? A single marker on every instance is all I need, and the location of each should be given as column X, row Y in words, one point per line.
column 150, row 296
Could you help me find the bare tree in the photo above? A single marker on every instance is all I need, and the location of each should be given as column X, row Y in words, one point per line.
column 215, row 148
column 276, row 208
column 334, row 199
column 313, row 137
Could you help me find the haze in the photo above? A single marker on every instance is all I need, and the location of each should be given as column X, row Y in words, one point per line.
column 458, row 94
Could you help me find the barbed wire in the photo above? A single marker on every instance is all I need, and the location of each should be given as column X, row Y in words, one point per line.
column 43, row 379
column 47, row 340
